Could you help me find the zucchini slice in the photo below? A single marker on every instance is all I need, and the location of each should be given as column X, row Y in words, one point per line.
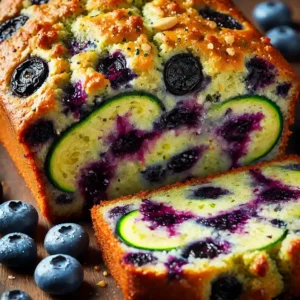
column 85, row 141
column 135, row 232
column 258, row 235
column 258, row 140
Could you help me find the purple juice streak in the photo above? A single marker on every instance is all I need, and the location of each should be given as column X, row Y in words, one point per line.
column 161, row 215
column 236, row 132
column 283, row 89
column 119, row 211
column 94, row 181
column 75, row 99
column 232, row 221
column 174, row 267
column 271, row 190
column 261, row 73
column 206, row 249
column 77, row 47
column 114, row 68
column 184, row 114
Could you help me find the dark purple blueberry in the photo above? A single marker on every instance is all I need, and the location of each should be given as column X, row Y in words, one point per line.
column 283, row 89
column 128, row 143
column 228, row 221
column 226, row 287
column 161, row 215
column 209, row 192
column 77, row 47
column 221, row 19
column 238, row 128
column 64, row 199
column 139, row 259
column 185, row 160
column 93, row 182
column 114, row 68
column 9, row 27
column 278, row 223
column 74, row 98
column 261, row 73
column 179, row 116
column 292, row 167
column 278, row 194
column 29, row 76
column 119, row 211
column 39, row 2
column 154, row 173
column 215, row 98
column 183, row 74
column 39, row 133
column 205, row 249
column 174, row 266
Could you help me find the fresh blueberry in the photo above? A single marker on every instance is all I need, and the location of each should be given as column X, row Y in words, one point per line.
column 17, row 250
column 18, row 216
column 59, row 274
column 67, row 238
column 182, row 74
column 15, row 295
column 270, row 14
column 39, row 133
column 139, row 259
column 226, row 287
column 286, row 40
column 154, row 173
column 9, row 27
column 221, row 19
column 185, row 160
column 209, row 192
column 29, row 76
column 114, row 68
column 261, row 73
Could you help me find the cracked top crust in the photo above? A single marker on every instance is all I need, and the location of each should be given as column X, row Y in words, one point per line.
column 147, row 32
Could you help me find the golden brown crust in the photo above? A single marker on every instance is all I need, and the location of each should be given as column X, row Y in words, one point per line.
column 139, row 283
column 42, row 31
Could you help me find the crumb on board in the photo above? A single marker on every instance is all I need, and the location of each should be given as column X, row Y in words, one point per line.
column 102, row 283
column 105, row 273
column 97, row 268
column 11, row 277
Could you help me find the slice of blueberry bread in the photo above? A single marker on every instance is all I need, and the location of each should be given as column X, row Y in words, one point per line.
column 231, row 236
column 103, row 98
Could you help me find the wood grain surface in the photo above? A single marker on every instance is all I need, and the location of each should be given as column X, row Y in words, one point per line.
column 15, row 188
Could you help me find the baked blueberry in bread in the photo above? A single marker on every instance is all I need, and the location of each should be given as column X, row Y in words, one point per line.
column 101, row 99
column 230, row 236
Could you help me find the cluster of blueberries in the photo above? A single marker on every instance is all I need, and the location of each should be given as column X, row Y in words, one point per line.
column 58, row 274
column 275, row 17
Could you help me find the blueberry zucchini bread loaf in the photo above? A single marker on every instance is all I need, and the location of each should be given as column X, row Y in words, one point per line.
column 102, row 98
column 227, row 237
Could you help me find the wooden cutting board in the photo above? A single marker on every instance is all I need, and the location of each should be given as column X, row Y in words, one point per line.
column 15, row 188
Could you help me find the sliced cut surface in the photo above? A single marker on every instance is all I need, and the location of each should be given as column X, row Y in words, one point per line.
column 221, row 226
column 250, row 127
column 135, row 232
column 87, row 140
